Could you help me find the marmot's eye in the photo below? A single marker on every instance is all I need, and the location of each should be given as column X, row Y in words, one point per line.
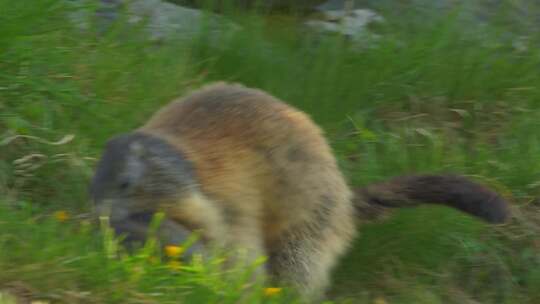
column 124, row 185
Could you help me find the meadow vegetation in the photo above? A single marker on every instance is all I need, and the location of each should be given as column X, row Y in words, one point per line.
column 441, row 96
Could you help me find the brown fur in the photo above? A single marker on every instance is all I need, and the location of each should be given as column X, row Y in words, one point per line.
column 257, row 175
column 242, row 143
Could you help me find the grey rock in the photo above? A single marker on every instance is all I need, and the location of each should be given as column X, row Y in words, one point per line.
column 516, row 20
column 166, row 20
column 351, row 23
column 518, row 13
column 162, row 20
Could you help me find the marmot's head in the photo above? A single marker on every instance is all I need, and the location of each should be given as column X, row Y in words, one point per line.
column 137, row 176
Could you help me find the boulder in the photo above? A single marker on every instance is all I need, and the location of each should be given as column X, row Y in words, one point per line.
column 162, row 20
column 516, row 20
column 167, row 20
column 346, row 19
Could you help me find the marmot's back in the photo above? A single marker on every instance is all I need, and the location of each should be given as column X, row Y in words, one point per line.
column 232, row 112
column 250, row 148
column 229, row 124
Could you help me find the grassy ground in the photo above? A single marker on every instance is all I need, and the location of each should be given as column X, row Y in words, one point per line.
column 431, row 98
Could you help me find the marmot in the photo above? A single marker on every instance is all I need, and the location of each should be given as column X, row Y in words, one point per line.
column 250, row 172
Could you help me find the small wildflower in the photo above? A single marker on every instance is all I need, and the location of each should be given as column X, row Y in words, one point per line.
column 61, row 216
column 173, row 251
column 271, row 291
column 175, row 265
column 379, row 300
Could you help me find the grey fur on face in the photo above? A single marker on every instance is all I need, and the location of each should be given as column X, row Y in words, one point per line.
column 135, row 173
column 140, row 165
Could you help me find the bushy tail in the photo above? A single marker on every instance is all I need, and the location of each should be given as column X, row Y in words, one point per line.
column 451, row 190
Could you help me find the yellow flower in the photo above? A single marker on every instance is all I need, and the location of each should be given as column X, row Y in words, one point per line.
column 173, row 251
column 61, row 215
column 271, row 291
column 175, row 265
column 379, row 300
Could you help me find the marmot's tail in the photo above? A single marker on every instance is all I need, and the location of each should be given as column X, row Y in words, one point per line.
column 451, row 190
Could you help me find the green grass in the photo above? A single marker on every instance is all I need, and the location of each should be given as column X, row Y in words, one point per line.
column 68, row 261
column 431, row 98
